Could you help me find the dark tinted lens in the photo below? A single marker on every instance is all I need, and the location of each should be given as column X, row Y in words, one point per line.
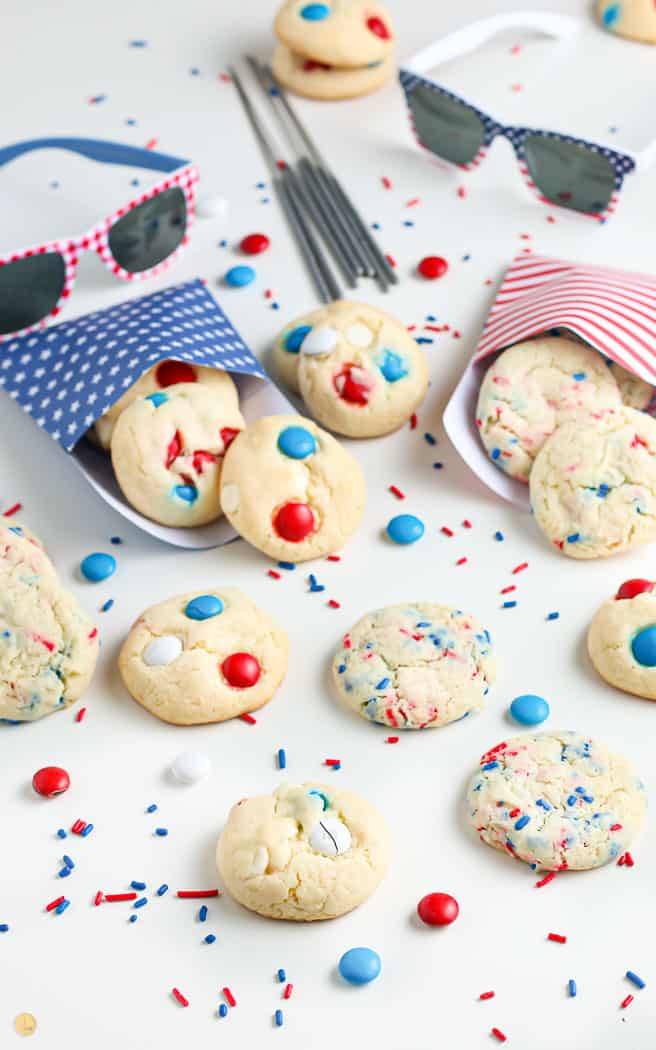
column 570, row 175
column 29, row 290
column 445, row 126
column 149, row 232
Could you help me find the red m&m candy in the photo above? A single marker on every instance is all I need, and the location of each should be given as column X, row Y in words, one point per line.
column 254, row 243
column 51, row 781
column 352, row 384
column 438, row 909
column 631, row 588
column 240, row 670
column 294, row 521
column 170, row 372
column 376, row 26
column 432, row 266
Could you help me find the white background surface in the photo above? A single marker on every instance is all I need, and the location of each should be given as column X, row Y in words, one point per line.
column 88, row 976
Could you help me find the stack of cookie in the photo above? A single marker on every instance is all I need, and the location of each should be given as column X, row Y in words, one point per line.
column 334, row 49
column 48, row 646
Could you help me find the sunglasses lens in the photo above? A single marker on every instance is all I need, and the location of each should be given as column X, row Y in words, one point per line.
column 29, row 289
column 445, row 126
column 150, row 232
column 570, row 175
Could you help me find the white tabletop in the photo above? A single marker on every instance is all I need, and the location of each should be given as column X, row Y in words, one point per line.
column 88, row 976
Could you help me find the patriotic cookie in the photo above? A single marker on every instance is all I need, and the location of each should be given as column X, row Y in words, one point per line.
column 622, row 639
column 336, row 32
column 593, row 485
column 160, row 376
column 556, row 801
column 359, row 371
column 306, row 852
column 313, row 79
column 635, row 19
column 634, row 392
column 290, row 489
column 533, row 387
column 415, row 666
column 48, row 646
column 203, row 657
column 167, row 452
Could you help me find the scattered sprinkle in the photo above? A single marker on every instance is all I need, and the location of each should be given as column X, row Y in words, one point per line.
column 520, row 568
column 626, row 1002
column 430, row 440
column 248, row 718
column 287, row 994
column 486, row 995
column 333, row 604
column 509, row 605
column 498, row 1034
column 557, row 937
column 230, row 999
column 273, row 574
column 179, row 997
column 633, row 977
column 553, row 616
column 196, row 894
column 392, row 740
column 278, row 1018
column 549, row 877
column 571, row 987
column 282, row 976
column 282, row 758
column 162, row 832
column 396, row 492
column 499, row 536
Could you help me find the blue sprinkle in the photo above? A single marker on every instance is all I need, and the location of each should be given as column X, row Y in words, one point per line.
column 286, row 565
column 282, row 976
column 158, row 399
column 545, row 805
column 603, row 490
column 138, row 43
column 275, row 306
column 107, row 606
column 408, row 222
column 580, row 376
column 210, row 939
column 431, row 317
column 137, row 885
column 64, row 872
column 580, row 790
column 239, row 276
column 140, row 903
column 495, row 453
column 162, row 832
column 429, row 439
column 278, row 1017
column 97, row 567
column 4, row 927
column 116, row 540
column 509, row 605
column 588, row 798
column 499, row 536
column 572, row 800
column 62, row 907
column 491, row 765
column 130, row 121
column 375, row 226
column 423, row 339
column 633, row 977
column 571, row 986
column 133, row 918
column 202, row 913
column 134, row 182
column 162, row 890
column 152, row 808
column 574, row 538
column 194, row 71
column 86, row 831
column 188, row 493
column 282, row 758
column 383, row 684
column 223, row 244
column 466, row 258
column 260, row 185
column 223, row 1010
column 336, row 766
column 203, row 607
column 522, row 822
column 61, row 833
column 341, row 669
column 553, row 616
column 438, row 466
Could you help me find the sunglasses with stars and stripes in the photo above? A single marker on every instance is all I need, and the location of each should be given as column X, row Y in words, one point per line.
column 572, row 173
column 135, row 242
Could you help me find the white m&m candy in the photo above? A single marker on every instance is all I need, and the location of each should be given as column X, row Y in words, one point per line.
column 321, row 340
column 330, row 837
column 191, row 766
column 162, row 651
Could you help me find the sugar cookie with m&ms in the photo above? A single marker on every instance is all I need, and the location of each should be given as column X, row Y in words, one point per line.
column 304, row 76
column 345, row 33
column 622, row 639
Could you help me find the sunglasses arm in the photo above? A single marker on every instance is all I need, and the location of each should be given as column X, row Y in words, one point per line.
column 98, row 150
column 472, row 36
column 646, row 157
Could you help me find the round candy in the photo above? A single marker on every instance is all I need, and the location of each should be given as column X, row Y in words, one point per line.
column 294, row 521
column 643, row 647
column 438, row 909
column 51, row 781
column 631, row 588
column 376, row 26
column 315, row 12
column 320, row 340
column 529, row 710
column 169, row 372
column 360, row 965
column 330, row 837
column 204, row 607
column 162, row 651
column 97, row 567
column 239, row 276
column 255, row 243
column 433, row 266
column 393, row 366
column 405, row 528
column 297, row 442
column 353, row 384
column 240, row 670
column 360, row 335
column 294, row 339
column 191, row 766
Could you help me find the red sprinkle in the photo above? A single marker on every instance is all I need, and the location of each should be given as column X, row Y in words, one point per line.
column 13, row 510
column 333, row 557
column 287, row 994
column 335, row 605
column 446, row 530
column 557, row 937
column 392, row 740
column 230, row 999
column 113, row 897
column 628, row 860
column 391, row 260
column 547, row 878
column 431, row 327
column 179, row 997
column 462, row 192
column 98, row 898
column 248, row 718
column 498, row 1034
column 626, row 1002
column 413, row 202
column 520, row 568
column 332, row 762
column 196, row 894
column 413, row 421
column 467, row 524
column 273, row 574
column 615, row 827
column 461, row 561
column 507, row 590
column 486, row 995
column 387, row 183
column 78, row 826
column 397, row 492
column 53, row 904
column 80, row 715
column 151, row 144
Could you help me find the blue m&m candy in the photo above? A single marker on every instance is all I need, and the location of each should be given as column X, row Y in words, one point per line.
column 293, row 340
column 187, row 493
column 204, row 607
column 529, row 710
column 393, row 366
column 297, row 442
column 157, row 398
column 405, row 528
column 643, row 646
column 611, row 15
column 239, row 276
column 360, row 965
column 315, row 12
column 97, row 567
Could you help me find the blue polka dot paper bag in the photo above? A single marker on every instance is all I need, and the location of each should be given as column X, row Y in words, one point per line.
column 612, row 311
column 68, row 375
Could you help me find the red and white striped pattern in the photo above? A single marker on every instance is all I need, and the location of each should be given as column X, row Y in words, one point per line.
column 612, row 310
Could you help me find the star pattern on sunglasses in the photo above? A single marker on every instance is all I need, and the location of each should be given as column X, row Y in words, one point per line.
column 65, row 378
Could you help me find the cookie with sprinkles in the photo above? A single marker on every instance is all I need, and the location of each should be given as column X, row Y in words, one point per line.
column 48, row 646
column 204, row 657
column 593, row 485
column 415, row 666
column 556, row 801
column 305, row 853
column 317, row 80
column 534, row 387
column 159, row 377
column 635, row 19
column 622, row 639
column 290, row 489
column 347, row 33
column 167, row 452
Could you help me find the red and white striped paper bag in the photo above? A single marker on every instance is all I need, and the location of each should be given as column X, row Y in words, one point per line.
column 613, row 311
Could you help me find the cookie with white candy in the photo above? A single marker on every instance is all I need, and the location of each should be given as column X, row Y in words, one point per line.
column 305, row 853
column 556, row 801
column 345, row 33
